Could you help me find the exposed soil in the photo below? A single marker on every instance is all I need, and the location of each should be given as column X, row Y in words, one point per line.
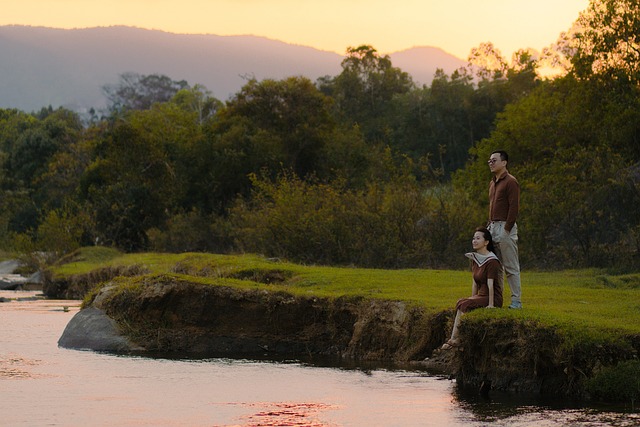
column 169, row 315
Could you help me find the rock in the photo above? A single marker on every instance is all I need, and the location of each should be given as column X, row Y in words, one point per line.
column 443, row 362
column 9, row 266
column 92, row 329
column 10, row 282
column 37, row 278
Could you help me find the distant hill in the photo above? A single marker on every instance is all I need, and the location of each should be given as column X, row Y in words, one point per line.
column 422, row 62
column 45, row 66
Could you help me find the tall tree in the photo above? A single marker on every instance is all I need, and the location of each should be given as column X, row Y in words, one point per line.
column 199, row 100
column 141, row 173
column 561, row 146
column 284, row 123
column 487, row 62
column 434, row 123
column 605, row 41
column 363, row 91
column 139, row 92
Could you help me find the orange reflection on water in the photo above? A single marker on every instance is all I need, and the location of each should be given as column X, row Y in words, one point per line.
column 285, row 414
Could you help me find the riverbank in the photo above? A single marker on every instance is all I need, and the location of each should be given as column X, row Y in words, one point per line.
column 75, row 388
column 211, row 304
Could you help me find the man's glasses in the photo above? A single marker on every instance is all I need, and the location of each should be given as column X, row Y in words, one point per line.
column 492, row 161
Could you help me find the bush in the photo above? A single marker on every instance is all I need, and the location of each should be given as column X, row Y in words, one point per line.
column 60, row 233
column 620, row 383
column 387, row 225
column 190, row 232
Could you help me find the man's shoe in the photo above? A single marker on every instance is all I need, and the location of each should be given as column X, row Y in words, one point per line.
column 515, row 306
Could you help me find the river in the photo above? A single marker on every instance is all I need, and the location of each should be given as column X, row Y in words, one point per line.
column 44, row 385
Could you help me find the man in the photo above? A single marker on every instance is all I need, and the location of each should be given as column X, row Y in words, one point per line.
column 504, row 202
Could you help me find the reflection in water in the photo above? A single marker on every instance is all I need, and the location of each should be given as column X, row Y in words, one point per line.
column 504, row 409
column 286, row 414
column 44, row 385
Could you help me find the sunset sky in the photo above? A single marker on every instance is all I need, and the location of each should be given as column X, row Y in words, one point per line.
column 456, row 26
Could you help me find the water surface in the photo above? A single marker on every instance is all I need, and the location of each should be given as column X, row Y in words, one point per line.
column 43, row 385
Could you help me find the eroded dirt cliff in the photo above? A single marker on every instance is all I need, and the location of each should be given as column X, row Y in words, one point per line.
column 166, row 314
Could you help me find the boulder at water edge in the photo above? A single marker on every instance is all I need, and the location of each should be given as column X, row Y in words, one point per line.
column 92, row 329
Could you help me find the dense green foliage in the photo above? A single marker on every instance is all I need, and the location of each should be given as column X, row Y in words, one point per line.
column 363, row 168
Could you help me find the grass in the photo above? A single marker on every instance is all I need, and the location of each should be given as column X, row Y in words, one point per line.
column 577, row 301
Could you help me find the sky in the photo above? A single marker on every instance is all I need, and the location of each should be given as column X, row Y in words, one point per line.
column 455, row 26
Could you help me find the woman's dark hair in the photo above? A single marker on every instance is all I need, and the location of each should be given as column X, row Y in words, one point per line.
column 487, row 237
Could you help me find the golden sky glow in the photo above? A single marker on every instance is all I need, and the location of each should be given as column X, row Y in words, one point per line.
column 456, row 26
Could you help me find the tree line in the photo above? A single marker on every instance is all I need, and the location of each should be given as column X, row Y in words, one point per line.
column 363, row 168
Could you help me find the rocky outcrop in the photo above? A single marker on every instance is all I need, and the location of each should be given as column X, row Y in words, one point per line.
column 168, row 315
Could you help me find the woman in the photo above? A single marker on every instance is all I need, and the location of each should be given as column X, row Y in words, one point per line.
column 486, row 290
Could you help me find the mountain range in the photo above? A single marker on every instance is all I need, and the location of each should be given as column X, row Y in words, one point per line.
column 44, row 67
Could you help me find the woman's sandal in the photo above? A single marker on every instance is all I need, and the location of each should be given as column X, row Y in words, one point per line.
column 449, row 345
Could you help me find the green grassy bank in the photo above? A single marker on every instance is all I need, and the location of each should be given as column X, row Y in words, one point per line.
column 590, row 300
column 588, row 309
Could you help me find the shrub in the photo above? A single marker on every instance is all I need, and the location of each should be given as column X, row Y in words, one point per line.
column 619, row 383
column 189, row 232
column 397, row 224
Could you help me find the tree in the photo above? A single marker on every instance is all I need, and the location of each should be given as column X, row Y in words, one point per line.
column 28, row 144
column 34, row 145
column 139, row 92
column 119, row 188
column 199, row 100
column 434, row 123
column 280, row 123
column 606, row 41
column 499, row 82
column 364, row 89
column 12, row 124
column 487, row 61
column 602, row 49
column 30, row 155
column 560, row 144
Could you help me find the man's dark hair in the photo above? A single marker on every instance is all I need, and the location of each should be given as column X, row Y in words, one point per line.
column 503, row 155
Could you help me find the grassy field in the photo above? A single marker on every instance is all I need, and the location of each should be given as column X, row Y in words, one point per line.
column 576, row 301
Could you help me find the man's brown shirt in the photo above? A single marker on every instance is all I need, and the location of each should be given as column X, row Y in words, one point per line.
column 504, row 199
